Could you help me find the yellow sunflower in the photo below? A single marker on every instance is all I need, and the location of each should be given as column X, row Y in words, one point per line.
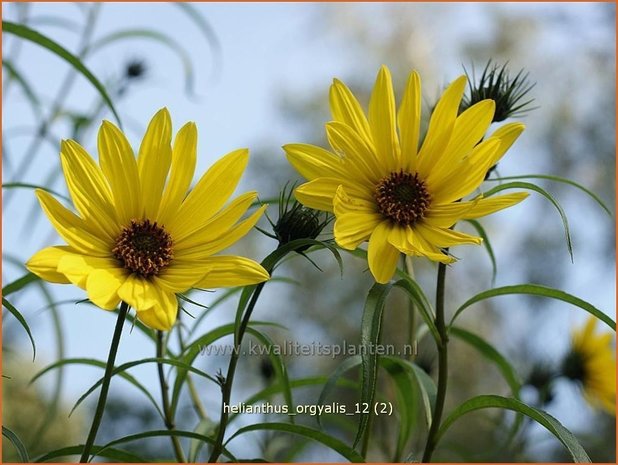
column 383, row 189
column 138, row 236
column 592, row 362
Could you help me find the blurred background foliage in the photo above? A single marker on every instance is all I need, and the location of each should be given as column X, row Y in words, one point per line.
column 570, row 55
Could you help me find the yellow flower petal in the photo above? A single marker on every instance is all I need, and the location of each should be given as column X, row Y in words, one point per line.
column 441, row 126
column 468, row 176
column 102, row 286
column 88, row 188
column 445, row 237
column 493, row 204
column 313, row 162
column 320, row 193
column 446, row 215
column 358, row 156
column 138, row 292
column 469, row 129
column 382, row 120
column 155, row 307
column 206, row 246
column 181, row 276
column 210, row 194
column 44, row 263
column 355, row 220
column 425, row 248
column 346, row 109
column 120, row 168
column 599, row 365
column 163, row 315
column 153, row 161
column 382, row 256
column 74, row 230
column 219, row 224
column 507, row 134
column 77, row 267
column 228, row 271
column 184, row 157
column 409, row 242
column 409, row 120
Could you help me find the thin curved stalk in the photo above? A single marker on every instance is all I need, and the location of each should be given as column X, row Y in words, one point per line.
column 432, row 437
column 169, row 419
column 111, row 359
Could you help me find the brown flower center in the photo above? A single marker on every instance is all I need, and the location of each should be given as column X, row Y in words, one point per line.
column 402, row 197
column 144, row 248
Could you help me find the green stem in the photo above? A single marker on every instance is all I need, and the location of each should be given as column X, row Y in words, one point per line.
column 407, row 266
column 111, row 359
column 169, row 418
column 226, row 385
column 195, row 398
column 442, row 366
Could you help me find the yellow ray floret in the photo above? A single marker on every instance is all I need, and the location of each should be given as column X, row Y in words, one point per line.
column 593, row 363
column 386, row 190
column 140, row 234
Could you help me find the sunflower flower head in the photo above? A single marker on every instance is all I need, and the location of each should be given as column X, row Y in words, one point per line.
column 385, row 189
column 139, row 234
column 591, row 362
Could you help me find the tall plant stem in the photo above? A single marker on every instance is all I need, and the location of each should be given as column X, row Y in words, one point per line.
column 226, row 385
column 169, row 419
column 195, row 398
column 409, row 269
column 442, row 366
column 109, row 368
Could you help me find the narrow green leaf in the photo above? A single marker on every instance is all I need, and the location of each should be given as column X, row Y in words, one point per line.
column 29, row 34
column 345, row 366
column 504, row 366
column 424, row 382
column 568, row 440
column 371, row 326
column 416, row 294
column 279, row 366
column 541, row 291
column 544, row 193
column 9, row 306
column 560, row 179
column 406, row 407
column 19, row 446
column 19, row 284
column 116, row 455
column 492, row 354
column 165, row 433
column 487, row 244
column 193, row 349
column 98, row 364
column 304, row 431
column 205, row 427
column 128, row 365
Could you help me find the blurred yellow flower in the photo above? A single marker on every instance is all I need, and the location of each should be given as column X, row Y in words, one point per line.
column 592, row 362
column 137, row 235
column 384, row 190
